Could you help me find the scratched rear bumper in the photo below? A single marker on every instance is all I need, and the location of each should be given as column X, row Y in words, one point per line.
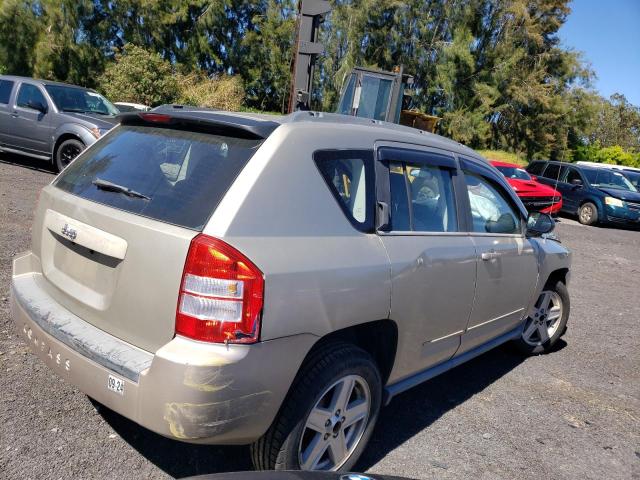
column 187, row 390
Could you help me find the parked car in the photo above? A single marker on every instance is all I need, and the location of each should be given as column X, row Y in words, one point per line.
column 51, row 121
column 239, row 279
column 536, row 196
column 126, row 107
column 595, row 195
column 632, row 173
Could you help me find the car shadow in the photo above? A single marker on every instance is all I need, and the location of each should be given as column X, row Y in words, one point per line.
column 407, row 415
column 414, row 410
column 177, row 459
column 26, row 162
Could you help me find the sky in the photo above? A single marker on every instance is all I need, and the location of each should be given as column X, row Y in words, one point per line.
column 608, row 34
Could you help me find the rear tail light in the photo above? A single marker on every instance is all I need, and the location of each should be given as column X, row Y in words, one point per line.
column 155, row 117
column 221, row 294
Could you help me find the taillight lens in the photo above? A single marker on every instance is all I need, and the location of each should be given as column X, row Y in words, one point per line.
column 155, row 117
column 221, row 295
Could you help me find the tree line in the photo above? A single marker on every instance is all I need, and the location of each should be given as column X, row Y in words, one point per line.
column 495, row 71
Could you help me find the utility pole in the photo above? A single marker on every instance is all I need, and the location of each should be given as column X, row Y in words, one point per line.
column 310, row 15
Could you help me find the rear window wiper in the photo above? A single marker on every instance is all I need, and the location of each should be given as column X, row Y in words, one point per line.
column 114, row 187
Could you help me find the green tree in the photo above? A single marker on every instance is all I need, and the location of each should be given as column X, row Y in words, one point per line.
column 618, row 123
column 19, row 31
column 64, row 51
column 140, row 76
column 266, row 63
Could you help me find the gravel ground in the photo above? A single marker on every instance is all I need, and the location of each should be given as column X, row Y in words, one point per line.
column 574, row 413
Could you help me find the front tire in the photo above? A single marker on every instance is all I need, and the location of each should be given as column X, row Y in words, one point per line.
column 328, row 416
column 548, row 322
column 66, row 152
column 588, row 214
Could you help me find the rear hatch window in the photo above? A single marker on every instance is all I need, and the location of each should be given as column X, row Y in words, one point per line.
column 174, row 176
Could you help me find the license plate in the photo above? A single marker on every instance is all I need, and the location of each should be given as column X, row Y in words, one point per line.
column 116, row 385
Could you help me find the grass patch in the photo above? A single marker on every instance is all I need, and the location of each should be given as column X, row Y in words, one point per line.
column 244, row 109
column 502, row 156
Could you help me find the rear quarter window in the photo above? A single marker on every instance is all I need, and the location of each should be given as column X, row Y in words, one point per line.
column 183, row 174
column 536, row 168
column 554, row 172
column 349, row 176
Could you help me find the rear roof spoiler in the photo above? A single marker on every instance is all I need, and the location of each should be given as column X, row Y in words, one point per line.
column 190, row 118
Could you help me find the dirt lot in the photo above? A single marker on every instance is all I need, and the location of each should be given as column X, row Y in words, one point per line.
column 574, row 413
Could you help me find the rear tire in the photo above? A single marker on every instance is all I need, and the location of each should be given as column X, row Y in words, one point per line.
column 588, row 214
column 315, row 424
column 548, row 322
column 66, row 152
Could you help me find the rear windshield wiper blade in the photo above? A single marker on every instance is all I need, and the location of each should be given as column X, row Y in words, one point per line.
column 114, row 187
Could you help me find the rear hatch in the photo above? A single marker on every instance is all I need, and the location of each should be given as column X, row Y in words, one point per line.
column 113, row 230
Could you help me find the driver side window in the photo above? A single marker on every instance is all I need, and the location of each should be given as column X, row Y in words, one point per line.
column 490, row 208
column 574, row 175
column 28, row 95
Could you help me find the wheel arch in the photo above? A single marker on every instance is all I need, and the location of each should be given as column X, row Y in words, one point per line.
column 559, row 275
column 597, row 201
column 63, row 138
column 378, row 338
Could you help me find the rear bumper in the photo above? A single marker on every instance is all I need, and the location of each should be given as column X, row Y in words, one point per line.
column 187, row 390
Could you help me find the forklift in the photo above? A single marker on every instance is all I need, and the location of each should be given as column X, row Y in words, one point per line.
column 366, row 93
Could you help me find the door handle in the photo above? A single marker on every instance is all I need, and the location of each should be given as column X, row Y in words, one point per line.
column 489, row 256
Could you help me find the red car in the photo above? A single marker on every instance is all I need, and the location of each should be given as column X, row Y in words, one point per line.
column 535, row 196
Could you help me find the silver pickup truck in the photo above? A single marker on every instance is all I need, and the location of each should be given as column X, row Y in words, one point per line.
column 275, row 281
column 51, row 121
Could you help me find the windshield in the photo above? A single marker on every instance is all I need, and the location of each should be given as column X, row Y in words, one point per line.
column 609, row 179
column 633, row 177
column 513, row 172
column 73, row 99
column 346, row 102
column 374, row 98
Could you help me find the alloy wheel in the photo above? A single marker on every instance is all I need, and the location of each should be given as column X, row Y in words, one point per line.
column 335, row 425
column 68, row 153
column 544, row 322
column 586, row 214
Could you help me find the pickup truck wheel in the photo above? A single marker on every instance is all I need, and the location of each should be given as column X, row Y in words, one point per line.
column 588, row 214
column 549, row 320
column 66, row 152
column 328, row 416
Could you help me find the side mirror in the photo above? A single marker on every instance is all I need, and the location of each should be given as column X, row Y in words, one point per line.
column 534, row 178
column 539, row 223
column 36, row 105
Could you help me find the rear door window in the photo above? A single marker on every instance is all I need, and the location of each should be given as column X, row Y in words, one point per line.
column 349, row 176
column 174, row 176
column 422, row 198
column 5, row 91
